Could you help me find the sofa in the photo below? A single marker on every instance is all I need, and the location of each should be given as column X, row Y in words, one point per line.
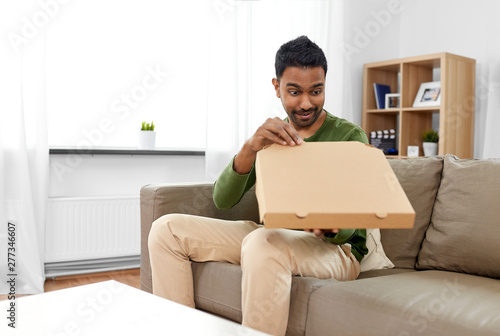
column 439, row 278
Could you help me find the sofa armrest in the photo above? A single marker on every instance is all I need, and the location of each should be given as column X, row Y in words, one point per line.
column 157, row 200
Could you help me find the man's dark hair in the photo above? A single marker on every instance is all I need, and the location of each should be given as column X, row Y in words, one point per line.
column 302, row 53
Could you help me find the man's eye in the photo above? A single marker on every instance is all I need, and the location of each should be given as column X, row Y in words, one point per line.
column 293, row 93
column 316, row 92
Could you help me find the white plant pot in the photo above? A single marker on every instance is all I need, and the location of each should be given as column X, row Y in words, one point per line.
column 147, row 139
column 430, row 148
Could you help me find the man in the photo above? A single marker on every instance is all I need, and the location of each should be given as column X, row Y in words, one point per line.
column 268, row 257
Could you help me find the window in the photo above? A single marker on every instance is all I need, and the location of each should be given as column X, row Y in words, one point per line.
column 112, row 64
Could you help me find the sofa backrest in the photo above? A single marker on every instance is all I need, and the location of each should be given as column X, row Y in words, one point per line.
column 464, row 233
column 420, row 179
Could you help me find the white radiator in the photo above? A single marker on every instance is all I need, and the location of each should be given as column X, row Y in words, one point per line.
column 88, row 234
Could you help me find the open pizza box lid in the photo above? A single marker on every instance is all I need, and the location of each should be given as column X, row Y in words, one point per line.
column 329, row 185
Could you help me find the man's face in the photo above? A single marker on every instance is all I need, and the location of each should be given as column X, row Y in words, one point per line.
column 301, row 91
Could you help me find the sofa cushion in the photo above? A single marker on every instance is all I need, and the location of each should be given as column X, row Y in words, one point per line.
column 412, row 303
column 420, row 180
column 376, row 258
column 464, row 235
column 217, row 289
column 384, row 272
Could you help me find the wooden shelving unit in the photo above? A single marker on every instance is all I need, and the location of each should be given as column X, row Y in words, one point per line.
column 456, row 112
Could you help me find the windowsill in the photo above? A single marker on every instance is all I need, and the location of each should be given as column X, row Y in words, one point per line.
column 125, row 151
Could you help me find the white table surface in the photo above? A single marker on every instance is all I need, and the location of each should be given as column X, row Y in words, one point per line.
column 111, row 308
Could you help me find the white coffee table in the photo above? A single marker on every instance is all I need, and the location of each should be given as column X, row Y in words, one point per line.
column 111, row 308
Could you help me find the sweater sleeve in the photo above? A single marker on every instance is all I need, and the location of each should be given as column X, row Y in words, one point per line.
column 231, row 186
column 358, row 135
column 355, row 237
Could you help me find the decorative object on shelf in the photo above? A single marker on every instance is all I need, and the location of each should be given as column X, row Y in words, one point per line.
column 457, row 78
column 430, row 142
column 380, row 91
column 392, row 100
column 413, row 151
column 384, row 140
column 147, row 136
column 429, row 94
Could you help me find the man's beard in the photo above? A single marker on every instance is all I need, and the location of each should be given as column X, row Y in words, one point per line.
column 304, row 118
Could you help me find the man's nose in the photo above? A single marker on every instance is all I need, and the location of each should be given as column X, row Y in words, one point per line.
column 305, row 103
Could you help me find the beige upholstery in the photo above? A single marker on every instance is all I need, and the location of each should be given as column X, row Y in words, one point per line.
column 420, row 180
column 464, row 234
column 399, row 301
column 196, row 199
column 412, row 303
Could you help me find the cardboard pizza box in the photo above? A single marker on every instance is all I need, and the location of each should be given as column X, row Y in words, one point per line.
column 329, row 185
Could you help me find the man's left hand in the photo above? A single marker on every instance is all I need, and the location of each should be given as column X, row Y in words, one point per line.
column 320, row 233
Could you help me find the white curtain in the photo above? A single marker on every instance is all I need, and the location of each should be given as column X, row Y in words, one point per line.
column 23, row 149
column 488, row 102
column 244, row 37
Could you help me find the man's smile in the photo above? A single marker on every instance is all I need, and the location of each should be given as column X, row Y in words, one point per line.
column 305, row 115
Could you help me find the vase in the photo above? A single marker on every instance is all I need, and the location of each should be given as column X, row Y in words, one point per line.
column 430, row 148
column 147, row 139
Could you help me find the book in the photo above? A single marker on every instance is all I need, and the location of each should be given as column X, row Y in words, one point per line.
column 380, row 91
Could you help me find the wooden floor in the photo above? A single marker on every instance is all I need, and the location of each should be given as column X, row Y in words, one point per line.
column 128, row 277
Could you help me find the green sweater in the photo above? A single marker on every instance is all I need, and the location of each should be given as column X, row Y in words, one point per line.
column 231, row 186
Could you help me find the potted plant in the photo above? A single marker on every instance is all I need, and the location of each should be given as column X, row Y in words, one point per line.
column 147, row 136
column 430, row 142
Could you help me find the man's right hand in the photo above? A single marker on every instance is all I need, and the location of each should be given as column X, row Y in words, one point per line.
column 272, row 131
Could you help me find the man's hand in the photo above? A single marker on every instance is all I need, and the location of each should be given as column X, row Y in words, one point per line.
column 272, row 131
column 320, row 233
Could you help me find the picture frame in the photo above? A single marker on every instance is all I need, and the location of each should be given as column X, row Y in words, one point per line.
column 412, row 151
column 392, row 100
column 429, row 94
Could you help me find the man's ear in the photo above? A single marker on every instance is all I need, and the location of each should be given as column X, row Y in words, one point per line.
column 276, row 84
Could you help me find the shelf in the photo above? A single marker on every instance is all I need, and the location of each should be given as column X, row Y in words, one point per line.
column 405, row 157
column 393, row 111
column 405, row 75
column 428, row 109
column 124, row 151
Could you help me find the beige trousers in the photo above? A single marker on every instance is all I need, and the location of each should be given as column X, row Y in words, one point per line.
column 268, row 258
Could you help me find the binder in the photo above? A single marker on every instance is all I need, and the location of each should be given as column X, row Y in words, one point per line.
column 380, row 91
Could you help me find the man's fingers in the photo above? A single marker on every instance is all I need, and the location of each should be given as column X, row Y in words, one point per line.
column 275, row 131
column 273, row 137
column 285, row 131
column 293, row 133
column 320, row 233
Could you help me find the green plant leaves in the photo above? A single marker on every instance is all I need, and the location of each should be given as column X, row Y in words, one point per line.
column 147, row 126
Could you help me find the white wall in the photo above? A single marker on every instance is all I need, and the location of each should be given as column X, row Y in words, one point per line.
column 371, row 33
column 467, row 28
column 119, row 175
column 374, row 30
column 464, row 27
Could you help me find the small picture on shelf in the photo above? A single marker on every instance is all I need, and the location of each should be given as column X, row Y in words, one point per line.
column 392, row 100
column 380, row 91
column 429, row 94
